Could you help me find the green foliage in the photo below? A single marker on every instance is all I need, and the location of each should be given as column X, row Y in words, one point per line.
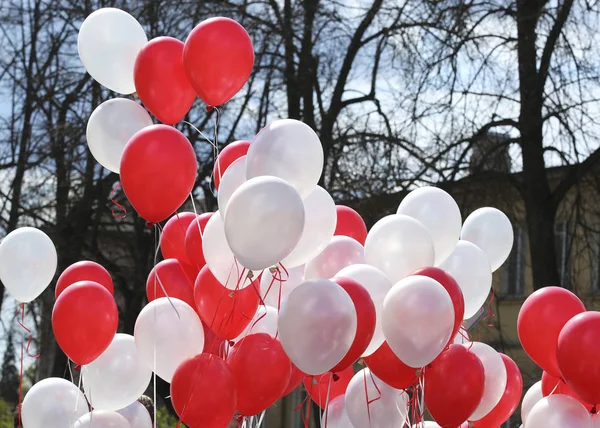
column 9, row 376
column 164, row 419
column 7, row 414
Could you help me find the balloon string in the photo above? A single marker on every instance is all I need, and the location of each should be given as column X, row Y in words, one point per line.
column 112, row 196
column 196, row 219
column 369, row 402
column 464, row 334
column 490, row 310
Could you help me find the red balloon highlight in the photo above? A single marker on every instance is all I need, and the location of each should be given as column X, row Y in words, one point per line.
column 161, row 81
column 228, row 155
column 84, row 271
column 218, row 57
column 384, row 364
column 84, row 320
column 203, row 392
column 365, row 326
column 261, row 370
column 510, row 399
column 577, row 353
column 317, row 386
column 158, row 171
column 453, row 289
column 454, row 386
column 540, row 321
column 350, row 223
column 226, row 312
column 168, row 275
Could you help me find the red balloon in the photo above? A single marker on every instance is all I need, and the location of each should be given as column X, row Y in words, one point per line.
column 203, row 392
column 578, row 354
column 227, row 312
column 158, row 171
column 261, row 370
column 296, row 379
column 365, row 317
column 172, row 240
column 218, row 57
column 84, row 271
column 213, row 344
column 84, row 320
column 541, row 318
column 387, row 366
column 510, row 399
column 174, row 281
column 317, row 386
column 454, row 386
column 453, row 290
column 228, row 155
column 350, row 223
column 554, row 385
column 161, row 81
column 193, row 241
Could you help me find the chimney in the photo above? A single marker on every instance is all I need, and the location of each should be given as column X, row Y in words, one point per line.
column 490, row 154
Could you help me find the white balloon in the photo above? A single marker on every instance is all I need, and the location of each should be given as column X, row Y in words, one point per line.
column 272, row 282
column 27, row 263
column 264, row 321
column 596, row 421
column 417, row 320
column 336, row 416
column 102, row 419
column 398, row 245
column 378, row 286
column 319, row 225
column 110, row 127
column 341, row 251
column 532, row 396
column 137, row 415
column 118, row 377
column 219, row 258
column 490, row 230
column 469, row 266
column 263, row 222
column 438, row 212
column 109, row 41
column 495, row 378
column 558, row 411
column 234, row 177
column 317, row 325
column 288, row 149
column 388, row 411
column 53, row 403
column 172, row 329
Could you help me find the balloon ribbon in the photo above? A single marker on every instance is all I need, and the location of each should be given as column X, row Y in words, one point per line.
column 24, row 350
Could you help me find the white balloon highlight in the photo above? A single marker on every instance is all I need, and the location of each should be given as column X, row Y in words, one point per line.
column 378, row 286
column 336, row 416
column 341, row 251
column 438, row 212
column 27, row 263
column 495, row 378
column 491, row 230
column 418, row 318
column 263, row 222
column 558, row 411
column 317, row 325
column 469, row 266
column 288, row 149
column 109, row 41
column 172, row 329
column 137, row 415
column 110, row 127
column 118, row 377
column 234, row 177
column 53, row 403
column 264, row 321
column 389, row 411
column 532, row 396
column 319, row 225
column 399, row 245
column 102, row 419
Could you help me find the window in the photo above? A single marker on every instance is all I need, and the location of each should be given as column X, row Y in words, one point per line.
column 513, row 276
column 563, row 238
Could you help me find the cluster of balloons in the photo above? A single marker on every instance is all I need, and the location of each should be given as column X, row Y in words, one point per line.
column 563, row 339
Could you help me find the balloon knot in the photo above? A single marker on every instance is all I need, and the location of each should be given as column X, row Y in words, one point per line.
column 209, row 109
column 335, row 377
column 418, row 372
column 231, row 343
column 594, row 410
column 149, row 225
